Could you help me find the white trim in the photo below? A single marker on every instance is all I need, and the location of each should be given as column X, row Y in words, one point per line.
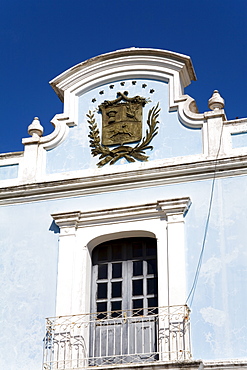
column 154, row 64
column 174, row 68
column 72, row 75
column 156, row 175
column 122, row 214
column 80, row 232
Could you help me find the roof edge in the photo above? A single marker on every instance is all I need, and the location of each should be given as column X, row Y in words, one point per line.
column 121, row 53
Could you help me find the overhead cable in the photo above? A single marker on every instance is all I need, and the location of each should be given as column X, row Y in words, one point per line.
column 194, row 285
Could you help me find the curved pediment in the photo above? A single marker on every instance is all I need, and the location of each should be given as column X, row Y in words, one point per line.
column 127, row 111
column 127, row 130
column 125, row 63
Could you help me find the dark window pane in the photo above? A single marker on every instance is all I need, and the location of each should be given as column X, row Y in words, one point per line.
column 152, row 287
column 152, row 267
column 151, row 248
column 137, row 268
column 102, row 254
column 101, row 307
column 102, row 290
column 116, row 306
column 137, row 249
column 117, row 252
column 137, row 305
column 116, row 270
column 102, row 271
column 153, row 302
column 116, row 289
column 137, row 287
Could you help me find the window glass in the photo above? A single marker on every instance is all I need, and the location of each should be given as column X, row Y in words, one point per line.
column 152, row 302
column 137, row 287
column 124, row 284
column 125, row 275
column 116, row 306
column 151, row 286
column 102, row 271
column 102, row 290
column 116, row 270
column 137, row 268
column 137, row 305
column 152, row 267
column 116, row 289
column 101, row 307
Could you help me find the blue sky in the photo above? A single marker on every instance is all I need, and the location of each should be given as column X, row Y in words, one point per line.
column 41, row 39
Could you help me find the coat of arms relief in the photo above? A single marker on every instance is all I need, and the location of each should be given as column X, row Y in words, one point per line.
column 121, row 125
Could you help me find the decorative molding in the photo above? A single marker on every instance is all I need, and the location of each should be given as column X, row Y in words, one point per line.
column 177, row 69
column 74, row 75
column 225, row 364
column 164, row 365
column 153, row 176
column 162, row 65
column 81, row 231
column 158, row 209
column 10, row 156
column 61, row 122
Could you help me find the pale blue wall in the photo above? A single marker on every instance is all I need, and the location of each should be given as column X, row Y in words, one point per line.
column 29, row 238
column 173, row 139
column 9, row 171
column 219, row 308
column 28, row 268
column 239, row 140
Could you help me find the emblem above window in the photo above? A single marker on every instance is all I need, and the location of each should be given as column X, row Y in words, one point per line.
column 122, row 124
column 122, row 119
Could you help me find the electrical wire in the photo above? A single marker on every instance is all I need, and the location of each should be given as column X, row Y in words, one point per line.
column 194, row 285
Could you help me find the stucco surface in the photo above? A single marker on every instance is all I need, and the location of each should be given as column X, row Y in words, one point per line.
column 29, row 248
column 8, row 172
column 167, row 143
column 58, row 174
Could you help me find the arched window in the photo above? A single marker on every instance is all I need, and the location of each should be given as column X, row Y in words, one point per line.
column 124, row 299
column 121, row 326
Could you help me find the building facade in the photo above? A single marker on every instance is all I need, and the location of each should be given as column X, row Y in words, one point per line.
column 125, row 226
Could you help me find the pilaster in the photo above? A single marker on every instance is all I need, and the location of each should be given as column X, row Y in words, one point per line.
column 66, row 264
column 215, row 121
column 176, row 258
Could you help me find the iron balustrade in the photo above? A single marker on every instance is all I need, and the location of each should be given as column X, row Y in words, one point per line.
column 117, row 337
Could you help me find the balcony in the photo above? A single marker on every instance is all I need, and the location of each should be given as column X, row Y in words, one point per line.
column 117, row 338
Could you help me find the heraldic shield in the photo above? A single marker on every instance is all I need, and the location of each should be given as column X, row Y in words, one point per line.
column 122, row 120
column 122, row 124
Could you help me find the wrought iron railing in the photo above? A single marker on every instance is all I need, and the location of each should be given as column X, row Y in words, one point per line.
column 119, row 337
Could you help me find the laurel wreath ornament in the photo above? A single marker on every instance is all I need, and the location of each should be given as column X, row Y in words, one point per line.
column 131, row 154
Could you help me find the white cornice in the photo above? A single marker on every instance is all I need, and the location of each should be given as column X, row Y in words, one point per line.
column 225, row 364
column 155, row 64
column 158, row 209
column 156, row 176
column 10, row 156
column 122, row 57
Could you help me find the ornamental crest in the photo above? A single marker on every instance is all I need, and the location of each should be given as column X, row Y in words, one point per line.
column 122, row 124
